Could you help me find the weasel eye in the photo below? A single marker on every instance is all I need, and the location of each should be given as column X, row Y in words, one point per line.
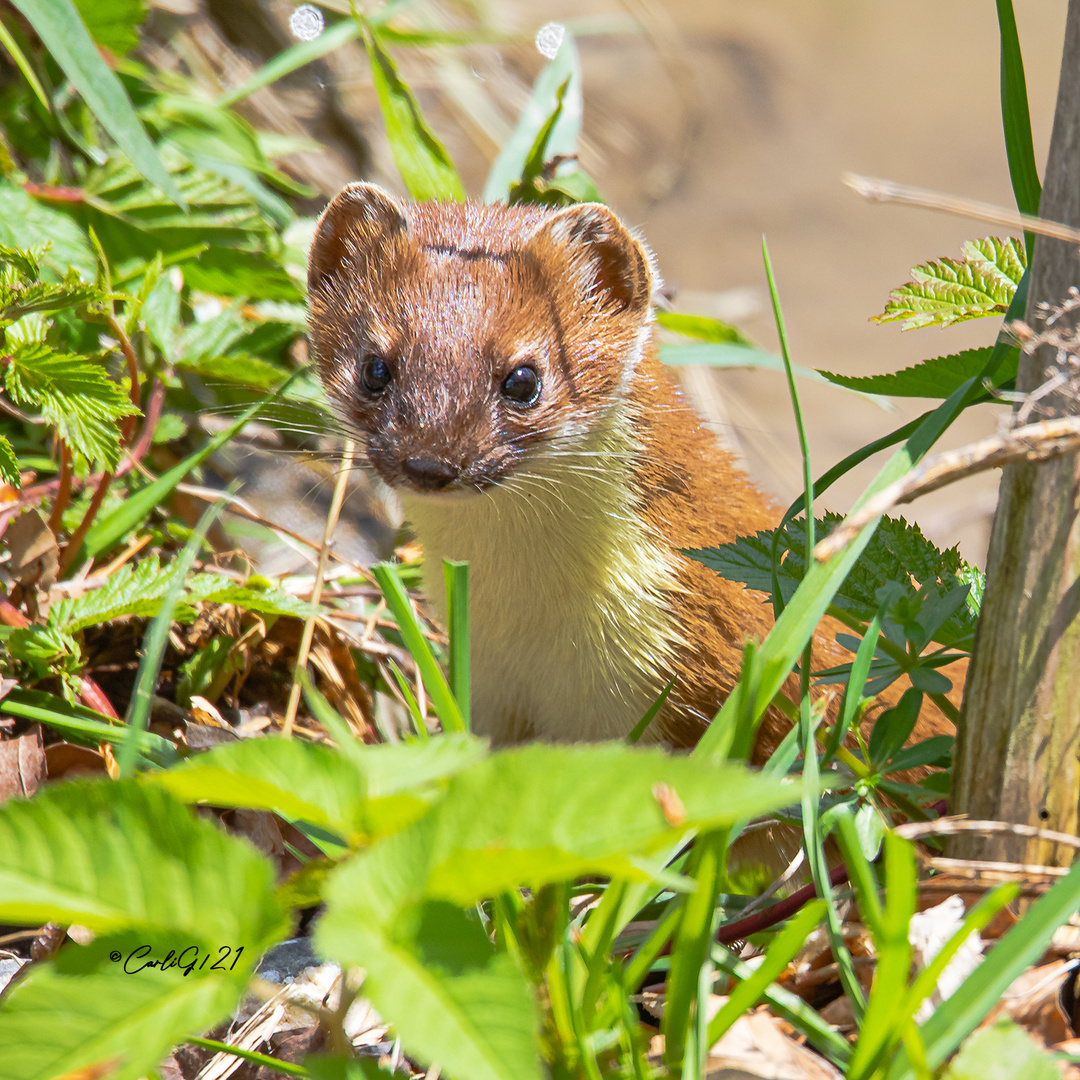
column 374, row 374
column 522, row 386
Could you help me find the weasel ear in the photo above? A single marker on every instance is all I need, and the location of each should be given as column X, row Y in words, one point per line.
column 611, row 266
column 359, row 219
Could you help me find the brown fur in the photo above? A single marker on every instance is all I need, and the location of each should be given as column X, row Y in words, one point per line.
column 453, row 297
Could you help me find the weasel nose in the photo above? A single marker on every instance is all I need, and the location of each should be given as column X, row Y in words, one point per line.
column 429, row 474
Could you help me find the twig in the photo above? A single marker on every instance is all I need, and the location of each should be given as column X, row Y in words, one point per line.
column 1034, row 442
column 952, row 825
column 889, row 191
column 316, row 591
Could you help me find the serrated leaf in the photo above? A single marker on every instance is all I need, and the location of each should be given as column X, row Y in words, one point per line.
column 26, row 223
column 450, row 996
column 898, row 554
column 72, row 393
column 947, row 291
column 58, row 25
column 54, row 1024
column 521, row 817
column 9, row 465
column 358, row 793
column 120, row 856
column 211, row 338
column 132, row 590
column 15, row 301
column 122, row 203
column 24, row 262
column 936, row 378
column 422, row 161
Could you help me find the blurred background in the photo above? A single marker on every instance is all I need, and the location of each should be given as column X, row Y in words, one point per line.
column 707, row 124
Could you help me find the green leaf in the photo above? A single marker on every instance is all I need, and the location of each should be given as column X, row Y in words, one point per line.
column 358, row 793
column 237, row 369
column 241, row 273
column 936, row 378
column 422, row 161
column 57, row 1024
column 58, row 25
column 9, row 465
column 44, row 649
column 543, row 104
column 113, row 23
column 23, row 261
column 72, row 393
column 119, row 856
column 17, row 301
column 108, row 530
column 132, row 217
column 1015, row 115
column 523, row 817
column 449, row 995
column 1003, row 1051
column 82, row 725
column 702, row 327
column 898, row 553
column 25, row 223
column 729, row 354
column 948, row 291
column 531, row 816
column 959, row 1015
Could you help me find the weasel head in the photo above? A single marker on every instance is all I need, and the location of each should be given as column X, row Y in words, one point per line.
column 461, row 341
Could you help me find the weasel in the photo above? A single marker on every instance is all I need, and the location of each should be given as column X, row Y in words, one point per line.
column 497, row 365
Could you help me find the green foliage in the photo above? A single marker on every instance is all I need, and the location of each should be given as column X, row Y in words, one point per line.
column 74, row 395
column 59, row 26
column 1002, row 1051
column 936, row 378
column 421, row 159
column 947, row 291
column 922, row 594
column 9, row 464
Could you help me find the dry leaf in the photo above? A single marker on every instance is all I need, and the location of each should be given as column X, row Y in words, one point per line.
column 1034, row 1001
column 757, row 1046
column 66, row 759
column 22, row 764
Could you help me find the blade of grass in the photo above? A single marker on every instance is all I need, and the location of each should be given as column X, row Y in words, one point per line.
column 540, row 110
column 19, row 57
column 691, row 961
column 397, row 600
column 1016, row 119
column 83, row 725
column 410, row 699
column 651, row 714
column 134, row 509
column 422, row 161
column 853, row 690
column 456, row 576
column 879, row 1022
column 63, row 33
column 157, row 637
column 957, row 1017
column 778, row 955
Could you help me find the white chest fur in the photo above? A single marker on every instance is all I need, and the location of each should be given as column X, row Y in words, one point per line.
column 570, row 629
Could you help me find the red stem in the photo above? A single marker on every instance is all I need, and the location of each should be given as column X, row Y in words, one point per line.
column 73, row 545
column 63, row 495
column 741, row 929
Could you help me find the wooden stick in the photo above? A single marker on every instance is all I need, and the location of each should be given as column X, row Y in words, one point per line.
column 1034, row 442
